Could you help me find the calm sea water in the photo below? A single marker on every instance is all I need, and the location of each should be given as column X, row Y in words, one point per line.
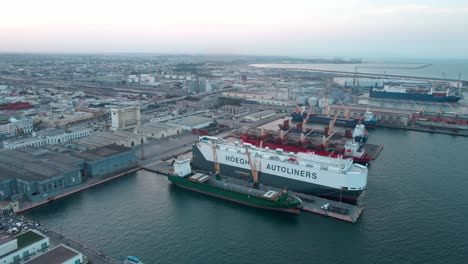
column 437, row 69
column 416, row 211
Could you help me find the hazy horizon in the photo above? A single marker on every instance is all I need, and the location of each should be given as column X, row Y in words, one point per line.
column 300, row 28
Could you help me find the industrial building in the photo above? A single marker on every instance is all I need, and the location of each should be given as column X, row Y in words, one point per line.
column 260, row 115
column 191, row 122
column 106, row 160
column 22, row 247
column 157, row 130
column 37, row 174
column 121, row 138
column 125, row 118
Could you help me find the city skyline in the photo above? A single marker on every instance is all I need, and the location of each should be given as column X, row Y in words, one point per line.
column 422, row 29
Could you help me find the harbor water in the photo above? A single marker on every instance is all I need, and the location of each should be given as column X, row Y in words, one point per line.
column 415, row 211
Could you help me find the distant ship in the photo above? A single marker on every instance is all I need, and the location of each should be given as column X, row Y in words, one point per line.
column 368, row 120
column 332, row 178
column 414, row 94
column 182, row 176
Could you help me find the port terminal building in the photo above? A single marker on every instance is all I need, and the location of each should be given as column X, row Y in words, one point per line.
column 37, row 174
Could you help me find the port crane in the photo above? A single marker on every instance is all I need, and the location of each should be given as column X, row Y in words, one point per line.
column 305, row 120
column 215, row 160
column 454, row 110
column 252, row 168
column 330, row 131
column 346, row 109
column 283, row 134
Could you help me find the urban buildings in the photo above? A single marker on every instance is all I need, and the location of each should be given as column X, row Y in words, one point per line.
column 125, row 117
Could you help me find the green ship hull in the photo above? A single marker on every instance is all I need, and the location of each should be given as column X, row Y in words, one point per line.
column 239, row 194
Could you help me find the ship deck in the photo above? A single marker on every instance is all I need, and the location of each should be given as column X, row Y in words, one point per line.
column 313, row 204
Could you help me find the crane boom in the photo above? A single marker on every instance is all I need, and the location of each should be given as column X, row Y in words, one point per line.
column 305, row 120
column 215, row 160
column 332, row 123
column 252, row 168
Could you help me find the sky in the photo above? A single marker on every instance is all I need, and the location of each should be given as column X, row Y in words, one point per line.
column 305, row 28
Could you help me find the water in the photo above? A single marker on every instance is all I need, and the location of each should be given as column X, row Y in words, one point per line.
column 415, row 212
column 437, row 69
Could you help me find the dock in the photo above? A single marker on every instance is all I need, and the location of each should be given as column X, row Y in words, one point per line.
column 310, row 203
column 78, row 189
column 373, row 150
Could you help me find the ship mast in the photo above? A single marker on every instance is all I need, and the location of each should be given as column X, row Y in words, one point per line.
column 252, row 168
column 215, row 159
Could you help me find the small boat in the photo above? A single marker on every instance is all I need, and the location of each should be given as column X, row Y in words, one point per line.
column 131, row 260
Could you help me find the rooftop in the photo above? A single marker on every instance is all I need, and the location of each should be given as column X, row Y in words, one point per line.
column 101, row 152
column 27, row 238
column 190, row 120
column 57, row 255
column 5, row 238
column 30, row 166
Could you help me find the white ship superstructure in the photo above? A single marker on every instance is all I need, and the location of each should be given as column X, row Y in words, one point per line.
column 303, row 171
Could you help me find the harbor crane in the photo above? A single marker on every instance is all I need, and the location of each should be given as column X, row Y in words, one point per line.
column 283, row 134
column 305, row 120
column 252, row 168
column 346, row 109
column 216, row 162
column 330, row 131
column 454, row 110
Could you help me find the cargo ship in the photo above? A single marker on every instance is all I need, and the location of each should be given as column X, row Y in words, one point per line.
column 182, row 176
column 328, row 177
column 414, row 94
column 368, row 119
column 351, row 150
column 359, row 134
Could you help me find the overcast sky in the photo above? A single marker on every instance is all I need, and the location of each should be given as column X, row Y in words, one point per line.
column 353, row 28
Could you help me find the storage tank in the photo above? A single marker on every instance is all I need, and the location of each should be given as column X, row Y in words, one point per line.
column 312, row 101
column 301, row 100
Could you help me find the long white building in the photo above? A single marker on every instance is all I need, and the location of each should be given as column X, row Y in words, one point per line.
column 44, row 139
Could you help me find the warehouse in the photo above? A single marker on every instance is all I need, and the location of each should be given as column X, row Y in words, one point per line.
column 107, row 160
column 259, row 116
column 39, row 174
column 191, row 122
column 121, row 138
column 157, row 130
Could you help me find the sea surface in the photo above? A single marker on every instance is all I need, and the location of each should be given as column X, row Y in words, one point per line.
column 415, row 211
column 435, row 68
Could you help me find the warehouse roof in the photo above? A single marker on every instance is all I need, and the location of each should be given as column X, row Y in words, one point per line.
column 190, row 120
column 58, row 255
column 28, row 167
column 101, row 152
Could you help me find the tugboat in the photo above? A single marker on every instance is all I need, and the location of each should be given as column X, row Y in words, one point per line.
column 131, row 260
